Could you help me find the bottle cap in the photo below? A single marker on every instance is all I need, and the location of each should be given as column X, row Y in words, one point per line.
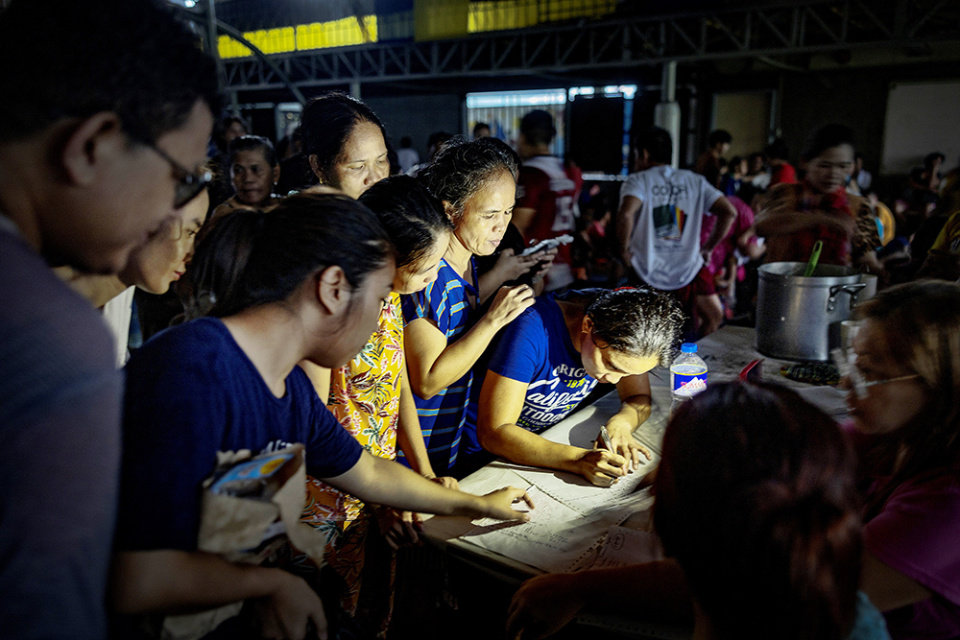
column 688, row 347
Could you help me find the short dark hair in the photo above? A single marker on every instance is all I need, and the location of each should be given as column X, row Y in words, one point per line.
column 827, row 137
column 636, row 321
column 719, row 136
column 327, row 122
column 463, row 167
column 251, row 258
column 756, row 499
column 224, row 125
column 929, row 159
column 438, row 138
column 777, row 150
column 537, row 127
column 656, row 142
column 411, row 216
column 479, row 127
column 406, row 142
column 62, row 58
column 253, row 143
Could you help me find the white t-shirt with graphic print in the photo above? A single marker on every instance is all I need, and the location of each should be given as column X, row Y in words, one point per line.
column 666, row 233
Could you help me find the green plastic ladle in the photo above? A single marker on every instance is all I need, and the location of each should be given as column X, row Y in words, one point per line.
column 814, row 258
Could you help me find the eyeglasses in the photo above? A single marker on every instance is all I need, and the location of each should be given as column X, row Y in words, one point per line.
column 189, row 183
column 847, row 364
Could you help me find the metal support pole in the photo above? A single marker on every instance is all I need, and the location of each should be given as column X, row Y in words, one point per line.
column 667, row 113
column 669, row 82
column 214, row 51
column 355, row 89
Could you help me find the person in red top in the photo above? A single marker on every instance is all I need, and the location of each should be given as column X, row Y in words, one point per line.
column 547, row 193
column 781, row 171
column 794, row 216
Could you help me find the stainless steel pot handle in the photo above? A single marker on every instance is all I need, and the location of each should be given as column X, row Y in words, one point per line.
column 852, row 289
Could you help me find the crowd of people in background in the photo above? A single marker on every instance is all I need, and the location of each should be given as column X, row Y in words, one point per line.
column 396, row 318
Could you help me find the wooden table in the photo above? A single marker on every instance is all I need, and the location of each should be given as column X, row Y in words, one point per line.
column 725, row 352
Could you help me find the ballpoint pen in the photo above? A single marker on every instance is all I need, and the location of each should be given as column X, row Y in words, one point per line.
column 606, row 438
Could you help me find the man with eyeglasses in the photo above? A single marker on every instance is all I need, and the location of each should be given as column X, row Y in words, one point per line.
column 106, row 112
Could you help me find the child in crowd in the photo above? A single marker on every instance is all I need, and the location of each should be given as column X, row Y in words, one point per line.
column 254, row 171
column 594, row 250
column 736, row 170
column 794, row 217
column 781, row 171
column 371, row 398
column 443, row 337
column 551, row 357
column 305, row 281
column 740, row 243
column 757, row 173
column 904, row 397
column 756, row 507
column 345, row 142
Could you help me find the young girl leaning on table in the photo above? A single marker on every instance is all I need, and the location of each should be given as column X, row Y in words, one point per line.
column 757, row 509
column 306, row 281
column 551, row 357
column 371, row 398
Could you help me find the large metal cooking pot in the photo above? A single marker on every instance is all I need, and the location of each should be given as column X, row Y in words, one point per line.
column 799, row 318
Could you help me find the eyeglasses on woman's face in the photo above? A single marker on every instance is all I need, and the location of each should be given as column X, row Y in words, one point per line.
column 846, row 361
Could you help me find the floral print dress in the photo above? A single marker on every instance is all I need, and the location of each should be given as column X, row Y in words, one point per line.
column 365, row 398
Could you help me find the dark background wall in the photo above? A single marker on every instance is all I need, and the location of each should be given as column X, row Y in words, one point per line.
column 857, row 98
column 418, row 116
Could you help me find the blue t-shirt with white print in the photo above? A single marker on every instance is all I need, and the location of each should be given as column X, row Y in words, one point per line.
column 536, row 348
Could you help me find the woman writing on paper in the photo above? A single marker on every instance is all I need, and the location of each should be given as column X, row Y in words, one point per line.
column 551, row 358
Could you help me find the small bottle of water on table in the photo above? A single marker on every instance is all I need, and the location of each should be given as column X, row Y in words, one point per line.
column 688, row 375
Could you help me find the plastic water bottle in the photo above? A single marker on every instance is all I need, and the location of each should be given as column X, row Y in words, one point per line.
column 688, row 375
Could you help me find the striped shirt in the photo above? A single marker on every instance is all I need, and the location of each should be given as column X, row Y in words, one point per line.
column 442, row 417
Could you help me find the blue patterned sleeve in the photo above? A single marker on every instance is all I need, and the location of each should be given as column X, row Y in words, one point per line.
column 432, row 303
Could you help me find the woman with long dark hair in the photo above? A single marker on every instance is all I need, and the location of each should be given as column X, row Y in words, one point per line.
column 758, row 512
column 371, row 398
column 345, row 143
column 306, row 281
column 904, row 397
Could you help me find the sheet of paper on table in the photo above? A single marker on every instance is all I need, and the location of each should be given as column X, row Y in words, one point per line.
column 620, row 547
column 561, row 531
column 554, row 538
column 579, row 494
